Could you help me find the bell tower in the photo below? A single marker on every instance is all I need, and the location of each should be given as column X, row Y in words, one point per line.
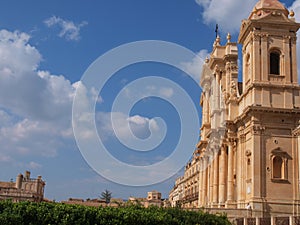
column 255, row 164
column 268, row 112
column 268, row 37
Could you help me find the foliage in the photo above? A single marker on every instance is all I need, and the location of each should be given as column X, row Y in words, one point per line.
column 106, row 195
column 28, row 213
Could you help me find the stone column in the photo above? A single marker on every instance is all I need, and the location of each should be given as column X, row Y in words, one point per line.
column 211, row 176
column 216, row 178
column 230, row 188
column 222, row 176
column 204, row 182
column 239, row 168
column 200, row 201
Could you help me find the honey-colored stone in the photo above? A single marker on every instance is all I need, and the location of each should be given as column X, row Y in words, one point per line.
column 257, row 165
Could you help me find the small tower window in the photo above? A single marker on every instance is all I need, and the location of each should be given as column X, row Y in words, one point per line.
column 279, row 163
column 278, row 168
column 274, row 63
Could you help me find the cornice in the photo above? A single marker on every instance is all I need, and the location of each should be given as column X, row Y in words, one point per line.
column 262, row 109
column 296, row 132
column 267, row 22
column 267, row 84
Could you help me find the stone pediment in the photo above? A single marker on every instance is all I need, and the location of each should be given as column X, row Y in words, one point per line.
column 272, row 20
column 278, row 151
column 275, row 16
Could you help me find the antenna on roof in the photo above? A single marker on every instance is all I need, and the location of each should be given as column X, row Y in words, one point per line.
column 217, row 30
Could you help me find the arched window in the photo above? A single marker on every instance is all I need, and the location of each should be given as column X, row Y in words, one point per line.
column 278, row 167
column 275, row 63
column 279, row 164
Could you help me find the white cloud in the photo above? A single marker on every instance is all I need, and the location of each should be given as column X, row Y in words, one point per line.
column 194, row 68
column 227, row 13
column 34, row 165
column 14, row 45
column 296, row 7
column 149, row 90
column 167, row 92
column 25, row 91
column 35, row 106
column 31, row 138
column 69, row 30
column 5, row 158
column 139, row 125
column 138, row 120
column 6, row 119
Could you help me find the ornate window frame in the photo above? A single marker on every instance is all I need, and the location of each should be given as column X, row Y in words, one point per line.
column 279, row 154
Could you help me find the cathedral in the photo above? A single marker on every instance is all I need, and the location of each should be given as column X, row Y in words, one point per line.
column 249, row 148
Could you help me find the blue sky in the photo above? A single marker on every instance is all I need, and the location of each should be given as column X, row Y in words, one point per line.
column 45, row 48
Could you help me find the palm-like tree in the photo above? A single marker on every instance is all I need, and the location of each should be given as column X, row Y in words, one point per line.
column 106, row 195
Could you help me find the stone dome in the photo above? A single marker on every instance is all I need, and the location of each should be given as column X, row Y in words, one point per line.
column 271, row 4
column 265, row 7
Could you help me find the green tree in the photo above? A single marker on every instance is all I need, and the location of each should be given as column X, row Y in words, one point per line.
column 106, row 195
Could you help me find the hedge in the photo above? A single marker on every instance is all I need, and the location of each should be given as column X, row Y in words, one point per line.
column 29, row 213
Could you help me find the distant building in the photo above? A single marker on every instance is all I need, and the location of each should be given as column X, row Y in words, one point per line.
column 88, row 202
column 153, row 199
column 185, row 190
column 24, row 189
column 114, row 202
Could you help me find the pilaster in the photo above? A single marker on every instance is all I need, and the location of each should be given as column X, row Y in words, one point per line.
column 294, row 60
column 258, row 176
column 222, row 176
column 286, row 61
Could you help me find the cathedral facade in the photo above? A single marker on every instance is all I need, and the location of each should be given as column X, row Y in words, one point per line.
column 249, row 149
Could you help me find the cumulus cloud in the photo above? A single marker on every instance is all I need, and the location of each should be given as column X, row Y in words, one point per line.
column 5, row 158
column 34, row 165
column 27, row 137
column 68, row 29
column 296, row 7
column 149, row 90
column 194, row 67
column 166, row 92
column 227, row 13
column 139, row 125
column 14, row 45
column 35, row 106
column 37, row 95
